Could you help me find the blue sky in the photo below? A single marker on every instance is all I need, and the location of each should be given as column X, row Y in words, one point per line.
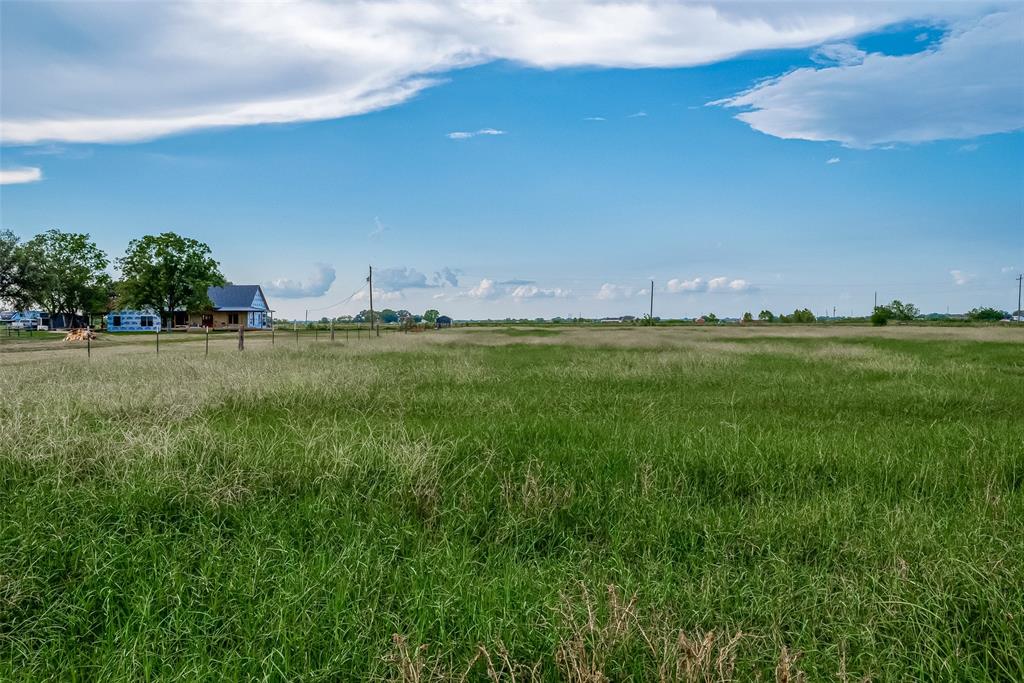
column 754, row 157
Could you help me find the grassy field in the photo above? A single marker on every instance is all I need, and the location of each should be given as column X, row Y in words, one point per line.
column 631, row 504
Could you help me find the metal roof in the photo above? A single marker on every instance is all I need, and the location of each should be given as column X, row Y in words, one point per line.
column 235, row 297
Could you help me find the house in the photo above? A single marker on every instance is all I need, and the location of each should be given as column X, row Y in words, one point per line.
column 133, row 321
column 235, row 306
column 442, row 321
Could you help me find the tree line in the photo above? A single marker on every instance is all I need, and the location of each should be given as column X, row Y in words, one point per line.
column 65, row 273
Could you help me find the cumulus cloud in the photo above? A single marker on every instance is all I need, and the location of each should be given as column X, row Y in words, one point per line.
column 396, row 279
column 446, row 276
column 533, row 292
column 612, row 292
column 678, row 285
column 16, row 176
column 960, row 278
column 484, row 290
column 142, row 70
column 970, row 84
column 465, row 135
column 316, row 284
column 715, row 284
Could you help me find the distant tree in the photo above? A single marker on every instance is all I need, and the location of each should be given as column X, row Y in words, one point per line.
column 747, row 318
column 14, row 270
column 710, row 318
column 431, row 315
column 168, row 272
column 986, row 314
column 365, row 317
column 388, row 316
column 800, row 315
column 902, row 311
column 880, row 316
column 402, row 314
column 766, row 316
column 67, row 273
column 325, row 320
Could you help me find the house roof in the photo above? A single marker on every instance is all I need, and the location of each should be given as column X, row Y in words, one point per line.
column 236, row 297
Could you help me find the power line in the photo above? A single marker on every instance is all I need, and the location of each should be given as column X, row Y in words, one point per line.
column 343, row 301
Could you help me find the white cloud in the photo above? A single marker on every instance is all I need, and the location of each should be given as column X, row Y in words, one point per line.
column 843, row 54
column 971, row 147
column 16, row 176
column 378, row 228
column 594, row 118
column 316, row 285
column 612, row 292
column 971, row 84
column 1007, row 269
column 960, row 277
column 833, row 160
column 131, row 71
column 484, row 290
column 464, row 135
column 378, row 295
column 695, row 285
column 637, row 115
column 533, row 292
column 715, row 284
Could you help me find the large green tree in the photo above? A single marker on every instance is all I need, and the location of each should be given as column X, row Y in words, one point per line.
column 168, row 272
column 14, row 270
column 431, row 315
column 67, row 273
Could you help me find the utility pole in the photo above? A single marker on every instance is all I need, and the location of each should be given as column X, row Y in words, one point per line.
column 373, row 322
column 652, row 304
column 876, row 301
column 1020, row 278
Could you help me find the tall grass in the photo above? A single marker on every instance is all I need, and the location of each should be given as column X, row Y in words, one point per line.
column 589, row 506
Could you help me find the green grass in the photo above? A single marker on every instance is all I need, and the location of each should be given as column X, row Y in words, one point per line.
column 839, row 505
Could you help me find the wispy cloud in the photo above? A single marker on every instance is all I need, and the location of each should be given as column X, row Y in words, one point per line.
column 315, row 285
column 320, row 60
column 515, row 283
column 378, row 228
column 971, row 84
column 842, row 54
column 465, row 135
column 637, row 115
column 17, row 176
column 594, row 118
column 960, row 278
column 833, row 160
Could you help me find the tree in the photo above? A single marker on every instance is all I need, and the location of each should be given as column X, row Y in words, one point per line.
column 711, row 318
column 801, row 315
column 168, row 272
column 880, row 316
column 388, row 316
column 14, row 270
column 902, row 311
column 767, row 316
column 67, row 274
column 987, row 314
column 747, row 318
column 365, row 317
column 431, row 315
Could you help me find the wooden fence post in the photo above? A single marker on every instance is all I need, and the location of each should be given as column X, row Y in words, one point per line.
column 241, row 337
column 207, row 341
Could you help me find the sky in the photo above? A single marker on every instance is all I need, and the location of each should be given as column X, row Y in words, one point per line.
column 525, row 160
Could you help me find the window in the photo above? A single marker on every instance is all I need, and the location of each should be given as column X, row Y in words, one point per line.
column 232, row 318
column 117, row 321
column 146, row 321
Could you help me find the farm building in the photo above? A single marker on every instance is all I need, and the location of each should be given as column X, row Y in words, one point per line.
column 235, row 306
column 443, row 321
column 133, row 321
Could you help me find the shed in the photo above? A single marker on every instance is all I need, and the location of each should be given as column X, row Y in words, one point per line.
column 443, row 321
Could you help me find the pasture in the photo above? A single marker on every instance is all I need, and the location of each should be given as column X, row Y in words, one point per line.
column 777, row 503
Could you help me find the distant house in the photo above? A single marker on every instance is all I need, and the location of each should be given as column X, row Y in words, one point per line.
column 133, row 321
column 235, row 306
column 442, row 321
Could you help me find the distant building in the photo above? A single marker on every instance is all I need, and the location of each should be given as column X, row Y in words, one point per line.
column 443, row 321
column 133, row 321
column 235, row 306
